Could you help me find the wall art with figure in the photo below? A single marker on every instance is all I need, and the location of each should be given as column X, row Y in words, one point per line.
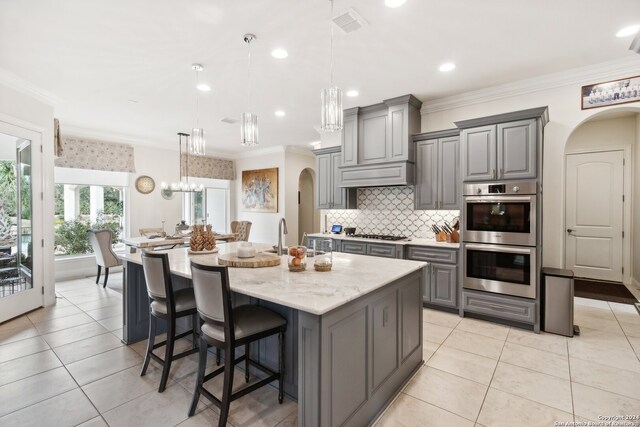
column 260, row 190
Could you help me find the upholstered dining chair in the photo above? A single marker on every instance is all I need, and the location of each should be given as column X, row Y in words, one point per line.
column 100, row 241
column 228, row 327
column 242, row 229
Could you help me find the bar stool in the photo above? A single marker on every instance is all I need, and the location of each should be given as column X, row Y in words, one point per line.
column 167, row 304
column 227, row 327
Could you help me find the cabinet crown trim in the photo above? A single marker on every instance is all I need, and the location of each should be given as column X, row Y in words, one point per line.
column 327, row 150
column 405, row 99
column 541, row 113
column 436, row 134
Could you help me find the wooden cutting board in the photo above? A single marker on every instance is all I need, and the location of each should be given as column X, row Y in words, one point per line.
column 260, row 260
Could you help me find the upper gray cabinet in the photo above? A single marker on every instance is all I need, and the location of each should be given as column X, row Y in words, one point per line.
column 330, row 194
column 506, row 146
column 376, row 143
column 437, row 183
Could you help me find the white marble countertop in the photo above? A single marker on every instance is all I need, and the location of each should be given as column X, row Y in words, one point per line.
column 410, row 241
column 311, row 291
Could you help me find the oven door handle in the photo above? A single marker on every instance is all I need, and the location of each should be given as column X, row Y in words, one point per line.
column 493, row 199
column 495, row 248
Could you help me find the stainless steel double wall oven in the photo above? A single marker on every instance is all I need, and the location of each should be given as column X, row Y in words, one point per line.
column 500, row 237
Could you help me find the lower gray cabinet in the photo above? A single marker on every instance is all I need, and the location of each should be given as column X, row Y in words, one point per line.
column 385, row 337
column 349, row 247
column 440, row 278
column 443, row 287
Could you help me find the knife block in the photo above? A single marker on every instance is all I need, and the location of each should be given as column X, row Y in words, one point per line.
column 441, row 237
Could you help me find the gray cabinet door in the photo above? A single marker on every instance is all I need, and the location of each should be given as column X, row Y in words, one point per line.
column 449, row 176
column 372, row 137
column 517, row 150
column 338, row 199
column 444, row 290
column 426, row 187
column 324, row 178
column 350, row 140
column 398, row 132
column 426, row 283
column 385, row 337
column 479, row 153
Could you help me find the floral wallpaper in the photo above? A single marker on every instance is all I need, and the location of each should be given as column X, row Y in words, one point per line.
column 389, row 210
column 208, row 167
column 82, row 153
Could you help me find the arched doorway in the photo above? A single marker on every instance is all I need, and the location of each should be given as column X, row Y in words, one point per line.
column 601, row 165
column 308, row 215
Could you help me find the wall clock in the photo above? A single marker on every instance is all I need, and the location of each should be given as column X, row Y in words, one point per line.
column 145, row 184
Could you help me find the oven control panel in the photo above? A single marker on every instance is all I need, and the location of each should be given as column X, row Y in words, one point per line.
column 497, row 188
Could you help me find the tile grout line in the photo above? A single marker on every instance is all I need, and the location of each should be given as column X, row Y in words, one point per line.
column 625, row 334
column 492, row 376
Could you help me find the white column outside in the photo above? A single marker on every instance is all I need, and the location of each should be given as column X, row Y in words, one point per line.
column 71, row 202
column 96, row 202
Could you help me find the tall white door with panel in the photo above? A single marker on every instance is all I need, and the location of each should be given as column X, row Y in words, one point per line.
column 594, row 215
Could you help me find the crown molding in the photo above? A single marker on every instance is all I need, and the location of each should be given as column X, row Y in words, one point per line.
column 298, row 149
column 19, row 84
column 585, row 75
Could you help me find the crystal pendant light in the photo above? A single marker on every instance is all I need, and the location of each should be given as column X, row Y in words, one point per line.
column 197, row 143
column 181, row 186
column 331, row 97
column 249, row 121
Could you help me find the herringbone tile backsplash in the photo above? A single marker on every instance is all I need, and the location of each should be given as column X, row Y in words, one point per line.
column 389, row 210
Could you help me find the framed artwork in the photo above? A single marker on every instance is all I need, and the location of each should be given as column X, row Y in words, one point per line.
column 260, row 190
column 614, row 92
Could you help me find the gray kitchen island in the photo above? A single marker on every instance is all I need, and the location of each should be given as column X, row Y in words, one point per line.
column 354, row 334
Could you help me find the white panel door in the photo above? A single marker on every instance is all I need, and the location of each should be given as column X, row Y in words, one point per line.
column 594, row 215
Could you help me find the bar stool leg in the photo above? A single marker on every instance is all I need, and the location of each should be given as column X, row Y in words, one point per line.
column 202, row 365
column 196, row 330
column 247, row 354
column 150, row 343
column 230, row 356
column 281, row 367
column 168, row 355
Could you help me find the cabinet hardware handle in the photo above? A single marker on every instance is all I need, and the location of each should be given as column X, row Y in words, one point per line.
column 496, row 307
column 501, row 173
column 385, row 316
column 493, row 173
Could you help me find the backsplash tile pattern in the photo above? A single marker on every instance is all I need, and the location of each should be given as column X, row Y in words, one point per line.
column 389, row 210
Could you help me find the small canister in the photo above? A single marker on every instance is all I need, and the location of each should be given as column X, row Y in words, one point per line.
column 324, row 254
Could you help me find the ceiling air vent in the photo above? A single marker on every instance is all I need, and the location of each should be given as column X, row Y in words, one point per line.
column 349, row 21
column 229, row 120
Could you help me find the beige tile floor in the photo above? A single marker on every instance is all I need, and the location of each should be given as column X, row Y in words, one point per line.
column 65, row 366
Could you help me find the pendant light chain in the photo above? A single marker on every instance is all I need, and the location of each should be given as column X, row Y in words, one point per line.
column 249, row 127
column 331, row 47
column 197, row 100
column 249, row 76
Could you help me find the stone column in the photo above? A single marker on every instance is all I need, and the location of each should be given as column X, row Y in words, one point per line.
column 71, row 202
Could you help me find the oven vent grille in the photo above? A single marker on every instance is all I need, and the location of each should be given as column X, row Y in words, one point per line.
column 349, row 21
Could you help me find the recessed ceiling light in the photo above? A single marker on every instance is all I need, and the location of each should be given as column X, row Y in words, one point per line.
column 203, row 87
column 279, row 53
column 628, row 31
column 280, row 113
column 314, row 143
column 351, row 93
column 394, row 3
column 449, row 66
column 132, row 101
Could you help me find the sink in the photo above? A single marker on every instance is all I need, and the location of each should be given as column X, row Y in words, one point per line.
column 274, row 250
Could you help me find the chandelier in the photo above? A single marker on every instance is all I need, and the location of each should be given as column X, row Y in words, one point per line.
column 182, row 186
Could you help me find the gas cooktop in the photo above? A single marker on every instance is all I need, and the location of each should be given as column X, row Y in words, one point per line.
column 378, row 236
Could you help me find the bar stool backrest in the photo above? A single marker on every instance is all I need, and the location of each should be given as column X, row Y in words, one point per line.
column 213, row 295
column 157, row 275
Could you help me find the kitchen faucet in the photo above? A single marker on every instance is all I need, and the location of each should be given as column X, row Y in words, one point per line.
column 280, row 250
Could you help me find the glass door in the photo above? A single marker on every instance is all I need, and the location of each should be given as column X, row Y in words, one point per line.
column 20, row 286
